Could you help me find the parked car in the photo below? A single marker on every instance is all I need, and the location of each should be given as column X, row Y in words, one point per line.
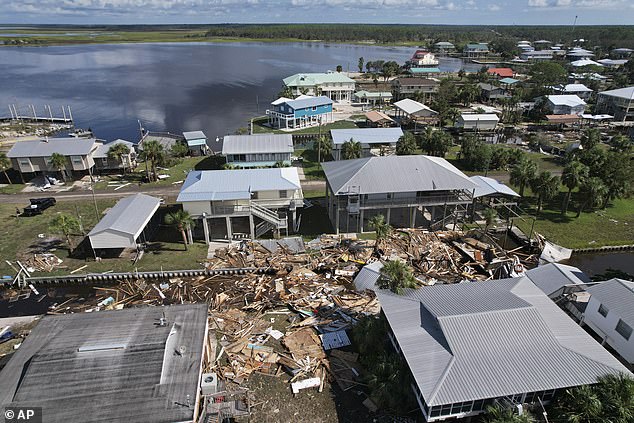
column 38, row 205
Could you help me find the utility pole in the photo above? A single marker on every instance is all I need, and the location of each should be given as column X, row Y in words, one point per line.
column 92, row 190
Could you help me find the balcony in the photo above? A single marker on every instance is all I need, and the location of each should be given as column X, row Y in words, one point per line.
column 432, row 200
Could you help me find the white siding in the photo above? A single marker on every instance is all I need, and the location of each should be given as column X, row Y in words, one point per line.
column 197, row 208
column 605, row 327
column 111, row 239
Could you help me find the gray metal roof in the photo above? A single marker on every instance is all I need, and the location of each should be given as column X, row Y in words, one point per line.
column 489, row 186
column 129, row 216
column 618, row 296
column 194, row 135
column 309, row 102
column 44, row 148
column 480, row 340
column 102, row 150
column 110, row 366
column 258, row 143
column 411, row 107
column 366, row 135
column 551, row 277
column 373, row 175
column 367, row 276
column 214, row 185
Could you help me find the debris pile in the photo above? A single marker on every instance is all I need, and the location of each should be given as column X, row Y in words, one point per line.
column 46, row 262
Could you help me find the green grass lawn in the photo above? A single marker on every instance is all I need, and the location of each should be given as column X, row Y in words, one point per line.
column 312, row 168
column 20, row 236
column 12, row 188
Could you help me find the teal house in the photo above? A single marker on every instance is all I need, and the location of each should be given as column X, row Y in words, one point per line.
column 302, row 112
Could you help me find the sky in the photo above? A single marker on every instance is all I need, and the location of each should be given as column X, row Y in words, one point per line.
column 481, row 12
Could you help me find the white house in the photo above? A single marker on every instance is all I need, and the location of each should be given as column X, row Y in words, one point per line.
column 335, row 85
column 565, row 104
column 374, row 141
column 255, row 201
column 415, row 111
column 478, row 121
column 258, row 150
column 610, row 313
column 104, row 162
column 579, row 90
column 537, row 55
column 618, row 103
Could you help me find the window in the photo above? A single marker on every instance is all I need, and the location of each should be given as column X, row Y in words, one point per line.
column 25, row 162
column 76, row 160
column 603, row 310
column 254, row 195
column 624, row 329
column 314, row 108
column 104, row 161
column 283, row 194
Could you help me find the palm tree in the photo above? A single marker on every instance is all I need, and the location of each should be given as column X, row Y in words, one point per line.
column 119, row 152
column 406, row 145
column 499, row 414
column 593, row 191
column 5, row 164
column 381, row 228
column 621, row 143
column 546, row 186
column 616, row 393
column 152, row 152
column 468, row 93
column 396, row 276
column 578, row 405
column 65, row 224
column 351, row 150
column 522, row 173
column 58, row 161
column 182, row 221
column 323, row 146
column 489, row 218
column 573, row 175
column 590, row 138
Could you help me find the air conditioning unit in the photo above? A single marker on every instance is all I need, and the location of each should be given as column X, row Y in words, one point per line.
column 209, row 384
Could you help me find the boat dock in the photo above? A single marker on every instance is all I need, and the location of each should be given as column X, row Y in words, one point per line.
column 17, row 114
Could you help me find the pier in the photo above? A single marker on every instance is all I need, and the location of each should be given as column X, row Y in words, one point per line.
column 16, row 114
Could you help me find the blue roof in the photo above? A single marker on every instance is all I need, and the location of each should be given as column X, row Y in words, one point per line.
column 424, row 70
column 509, row 81
column 309, row 102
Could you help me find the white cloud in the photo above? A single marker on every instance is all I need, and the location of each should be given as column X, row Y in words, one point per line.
column 494, row 7
column 592, row 4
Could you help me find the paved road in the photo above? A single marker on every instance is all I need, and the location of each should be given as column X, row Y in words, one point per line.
column 160, row 191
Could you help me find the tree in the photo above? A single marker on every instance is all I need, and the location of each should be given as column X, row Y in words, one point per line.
column 593, row 192
column 360, row 64
column 522, row 173
column 65, row 224
column 381, row 228
column 152, row 152
column 573, row 175
column 389, row 69
column 546, row 186
column 616, row 393
column 396, row 276
column 5, row 164
column 119, row 152
column 182, row 221
column 179, row 149
column 617, row 174
column 323, row 147
column 547, row 73
column 339, row 68
column 406, row 145
column 489, row 218
column 499, row 414
column 351, row 150
column 591, row 138
column 58, row 161
column 435, row 143
column 286, row 91
column 468, row 93
column 621, row 144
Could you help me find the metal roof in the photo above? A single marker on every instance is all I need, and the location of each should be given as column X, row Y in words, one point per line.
column 475, row 117
column 376, row 116
column 215, row 185
column 618, row 296
column 367, row 276
column 479, row 46
column 391, row 174
column 46, row 147
column 489, row 186
column 626, row 93
column 309, row 102
column 258, row 143
column 366, row 135
column 570, row 100
column 410, row 107
column 102, row 150
column 509, row 81
column 551, row 277
column 480, row 340
column 110, row 366
column 194, row 135
column 424, row 70
column 585, row 62
column 415, row 81
column 129, row 216
column 312, row 79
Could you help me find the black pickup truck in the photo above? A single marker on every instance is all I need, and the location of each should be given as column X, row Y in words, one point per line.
column 38, row 205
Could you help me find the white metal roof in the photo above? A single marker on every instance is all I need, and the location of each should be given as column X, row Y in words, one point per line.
column 489, row 186
column 257, row 143
column 102, row 149
column 570, row 100
column 392, row 174
column 490, row 339
column 617, row 295
column 129, row 216
column 626, row 93
column 475, row 117
column 194, row 135
column 366, row 135
column 410, row 107
column 585, row 62
column 214, row 185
